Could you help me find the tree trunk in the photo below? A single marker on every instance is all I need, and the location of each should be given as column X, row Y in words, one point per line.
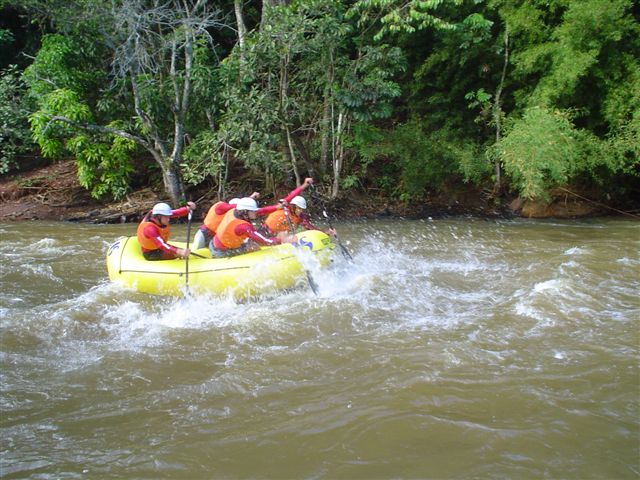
column 326, row 121
column 223, row 174
column 338, row 154
column 324, row 136
column 292, row 156
column 497, row 113
column 173, row 185
column 269, row 183
column 242, row 29
column 305, row 154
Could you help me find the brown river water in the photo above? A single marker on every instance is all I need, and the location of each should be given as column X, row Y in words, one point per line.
column 451, row 348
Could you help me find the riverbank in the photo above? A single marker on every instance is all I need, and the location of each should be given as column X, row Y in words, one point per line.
column 52, row 192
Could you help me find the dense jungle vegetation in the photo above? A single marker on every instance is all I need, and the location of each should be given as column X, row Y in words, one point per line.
column 397, row 97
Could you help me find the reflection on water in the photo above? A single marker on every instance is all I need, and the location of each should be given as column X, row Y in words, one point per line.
column 458, row 348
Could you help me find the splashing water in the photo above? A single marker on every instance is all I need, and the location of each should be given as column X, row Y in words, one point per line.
column 453, row 348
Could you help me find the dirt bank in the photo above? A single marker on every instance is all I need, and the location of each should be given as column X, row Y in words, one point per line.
column 53, row 193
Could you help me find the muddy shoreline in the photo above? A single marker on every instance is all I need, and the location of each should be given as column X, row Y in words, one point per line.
column 53, row 193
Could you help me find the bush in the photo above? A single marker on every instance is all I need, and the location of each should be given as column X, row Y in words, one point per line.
column 15, row 136
column 540, row 150
column 543, row 150
column 421, row 160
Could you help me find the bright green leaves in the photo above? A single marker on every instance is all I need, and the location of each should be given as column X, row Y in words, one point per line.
column 103, row 160
column 50, row 134
column 579, row 58
column 401, row 16
column 104, row 166
column 66, row 62
column 577, row 50
column 66, row 80
column 479, row 98
column 622, row 102
column 542, row 150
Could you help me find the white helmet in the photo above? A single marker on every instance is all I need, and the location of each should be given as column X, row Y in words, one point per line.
column 234, row 201
column 299, row 202
column 161, row 209
column 247, row 203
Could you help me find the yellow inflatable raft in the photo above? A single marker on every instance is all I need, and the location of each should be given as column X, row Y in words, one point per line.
column 261, row 272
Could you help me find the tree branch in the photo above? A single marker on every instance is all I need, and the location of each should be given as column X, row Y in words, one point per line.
column 99, row 128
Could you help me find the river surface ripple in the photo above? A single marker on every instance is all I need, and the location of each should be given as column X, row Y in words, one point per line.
column 456, row 348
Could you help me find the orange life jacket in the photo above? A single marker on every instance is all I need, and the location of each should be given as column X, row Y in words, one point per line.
column 226, row 230
column 145, row 242
column 212, row 220
column 277, row 221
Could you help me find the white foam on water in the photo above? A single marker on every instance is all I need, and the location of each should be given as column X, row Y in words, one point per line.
column 393, row 286
column 576, row 251
column 551, row 286
column 628, row 261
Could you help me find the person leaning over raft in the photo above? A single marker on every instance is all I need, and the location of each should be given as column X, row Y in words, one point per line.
column 277, row 221
column 235, row 234
column 218, row 210
column 216, row 213
column 154, row 230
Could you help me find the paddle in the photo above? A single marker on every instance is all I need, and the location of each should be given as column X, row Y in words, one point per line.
column 312, row 282
column 343, row 249
column 186, row 260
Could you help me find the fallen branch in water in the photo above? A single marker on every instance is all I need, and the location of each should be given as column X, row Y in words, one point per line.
column 600, row 204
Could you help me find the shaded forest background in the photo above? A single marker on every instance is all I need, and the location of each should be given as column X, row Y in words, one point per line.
column 399, row 100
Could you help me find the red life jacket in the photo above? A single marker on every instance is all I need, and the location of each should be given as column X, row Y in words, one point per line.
column 277, row 221
column 212, row 220
column 226, row 230
column 147, row 243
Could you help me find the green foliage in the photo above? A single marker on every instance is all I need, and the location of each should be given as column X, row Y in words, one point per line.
column 581, row 50
column 621, row 105
column 350, row 181
column 15, row 137
column 66, row 80
column 49, row 134
column 66, row 62
column 541, row 151
column 624, row 148
column 544, row 150
column 6, row 37
column 423, row 159
column 422, row 105
column 479, row 98
column 369, row 86
column 288, row 71
column 202, row 158
column 103, row 167
column 250, row 126
column 401, row 16
column 103, row 160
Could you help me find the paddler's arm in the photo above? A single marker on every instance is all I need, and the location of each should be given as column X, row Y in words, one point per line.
column 250, row 232
column 152, row 233
column 182, row 211
column 297, row 191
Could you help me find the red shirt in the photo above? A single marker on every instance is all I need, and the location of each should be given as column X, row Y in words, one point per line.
column 152, row 232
